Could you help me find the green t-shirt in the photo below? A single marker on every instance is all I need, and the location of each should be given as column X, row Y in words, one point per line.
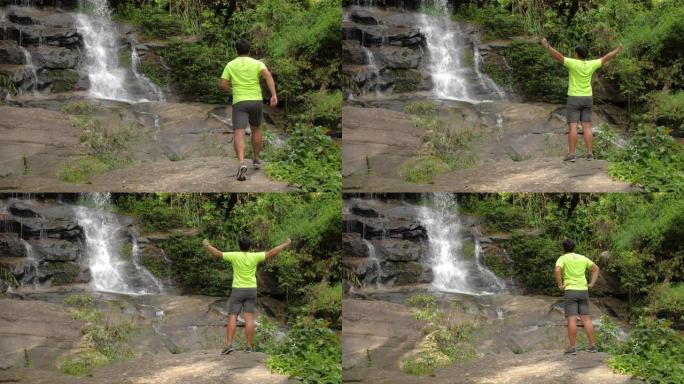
column 243, row 73
column 580, row 73
column 244, row 267
column 574, row 267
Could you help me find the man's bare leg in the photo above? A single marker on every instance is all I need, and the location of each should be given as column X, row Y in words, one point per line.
column 589, row 329
column 588, row 136
column 231, row 327
column 249, row 327
column 572, row 138
column 256, row 142
column 239, row 143
column 572, row 331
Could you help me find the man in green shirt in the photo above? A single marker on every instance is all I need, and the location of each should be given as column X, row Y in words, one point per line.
column 242, row 74
column 580, row 96
column 570, row 277
column 244, row 289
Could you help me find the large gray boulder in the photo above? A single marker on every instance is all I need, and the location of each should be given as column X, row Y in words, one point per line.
column 54, row 57
column 10, row 53
column 11, row 245
column 56, row 250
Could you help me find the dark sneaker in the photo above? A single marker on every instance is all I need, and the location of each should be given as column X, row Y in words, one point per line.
column 248, row 349
column 590, row 157
column 570, row 158
column 227, row 350
column 592, row 349
column 571, row 351
column 256, row 163
column 241, row 173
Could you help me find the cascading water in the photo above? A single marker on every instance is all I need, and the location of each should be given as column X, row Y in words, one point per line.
column 28, row 62
column 447, row 48
column 377, row 273
column 31, row 265
column 372, row 67
column 101, row 46
column 103, row 235
column 454, row 271
column 150, row 87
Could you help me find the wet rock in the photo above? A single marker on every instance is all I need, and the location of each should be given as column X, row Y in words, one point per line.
column 403, row 273
column 399, row 250
column 352, row 53
column 353, row 245
column 10, row 53
column 63, row 273
column 363, row 16
column 56, row 250
column 11, row 245
column 54, row 57
column 21, row 209
column 398, row 57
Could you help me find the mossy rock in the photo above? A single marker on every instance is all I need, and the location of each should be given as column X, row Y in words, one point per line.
column 63, row 80
column 405, row 80
column 406, row 272
column 63, row 273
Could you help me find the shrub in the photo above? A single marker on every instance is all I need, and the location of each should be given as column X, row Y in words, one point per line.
column 324, row 301
column 534, row 259
column 535, row 73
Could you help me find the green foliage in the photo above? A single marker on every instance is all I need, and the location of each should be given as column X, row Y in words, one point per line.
column 421, row 108
column 497, row 23
column 652, row 160
column 533, row 262
column 667, row 109
column 154, row 22
column 311, row 353
column 6, row 82
column 310, row 160
column 63, row 80
column 448, row 339
column 195, row 70
column 498, row 214
column 82, row 108
column 324, row 109
column 423, row 169
column 535, row 73
column 82, row 170
column 667, row 301
column 155, row 214
column 653, row 353
column 106, row 339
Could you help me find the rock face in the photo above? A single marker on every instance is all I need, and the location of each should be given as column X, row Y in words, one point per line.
column 41, row 49
column 384, row 243
column 383, row 50
column 41, row 243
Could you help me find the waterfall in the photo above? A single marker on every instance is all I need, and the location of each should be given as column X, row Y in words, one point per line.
column 447, row 47
column 104, row 237
column 28, row 62
column 31, row 265
column 101, row 230
column 101, row 42
column 375, row 272
column 150, row 87
column 453, row 270
column 373, row 68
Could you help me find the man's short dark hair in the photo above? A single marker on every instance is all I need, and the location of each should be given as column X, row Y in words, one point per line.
column 245, row 243
column 242, row 46
column 582, row 51
column 568, row 245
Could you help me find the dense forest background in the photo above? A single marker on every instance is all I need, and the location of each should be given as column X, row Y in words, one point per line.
column 306, row 277
column 299, row 41
column 636, row 240
column 646, row 79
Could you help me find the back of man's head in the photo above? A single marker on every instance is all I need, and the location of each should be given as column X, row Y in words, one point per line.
column 581, row 51
column 568, row 245
column 245, row 243
column 242, row 46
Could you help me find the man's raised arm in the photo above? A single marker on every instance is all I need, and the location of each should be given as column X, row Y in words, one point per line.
column 552, row 51
column 611, row 55
column 213, row 251
column 273, row 252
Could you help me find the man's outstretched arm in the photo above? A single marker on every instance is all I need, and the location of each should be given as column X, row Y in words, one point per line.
column 612, row 54
column 552, row 51
column 559, row 278
column 266, row 74
column 213, row 251
column 594, row 275
column 273, row 252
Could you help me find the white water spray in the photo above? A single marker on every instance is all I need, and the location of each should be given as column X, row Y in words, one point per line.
column 150, row 87
column 376, row 274
column 454, row 271
column 101, row 42
column 28, row 62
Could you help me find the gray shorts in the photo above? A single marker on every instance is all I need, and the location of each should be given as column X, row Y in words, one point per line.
column 242, row 299
column 247, row 112
column 576, row 302
column 579, row 108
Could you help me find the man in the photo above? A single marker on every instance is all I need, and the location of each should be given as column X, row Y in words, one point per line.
column 244, row 288
column 580, row 101
column 242, row 74
column 570, row 269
